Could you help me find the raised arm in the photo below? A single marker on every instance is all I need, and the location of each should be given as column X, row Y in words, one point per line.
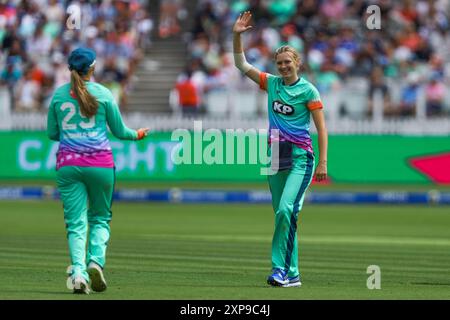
column 319, row 120
column 240, row 26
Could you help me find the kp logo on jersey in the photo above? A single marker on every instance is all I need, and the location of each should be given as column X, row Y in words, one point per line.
column 282, row 108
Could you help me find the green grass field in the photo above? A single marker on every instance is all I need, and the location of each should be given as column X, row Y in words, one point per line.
column 227, row 185
column 175, row 251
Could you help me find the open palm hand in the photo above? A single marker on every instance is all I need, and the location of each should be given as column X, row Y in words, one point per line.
column 242, row 23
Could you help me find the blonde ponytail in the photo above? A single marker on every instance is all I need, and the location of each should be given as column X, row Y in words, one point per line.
column 88, row 104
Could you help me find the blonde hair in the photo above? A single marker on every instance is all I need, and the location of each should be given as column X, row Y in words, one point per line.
column 88, row 103
column 294, row 53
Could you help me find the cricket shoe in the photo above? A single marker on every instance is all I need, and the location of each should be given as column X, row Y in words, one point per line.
column 98, row 282
column 278, row 278
column 293, row 282
column 78, row 284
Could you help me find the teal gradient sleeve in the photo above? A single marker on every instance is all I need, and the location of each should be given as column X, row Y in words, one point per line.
column 115, row 122
column 52, row 123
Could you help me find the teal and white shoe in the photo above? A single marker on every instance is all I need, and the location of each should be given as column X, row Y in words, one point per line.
column 292, row 282
column 78, row 284
column 98, row 282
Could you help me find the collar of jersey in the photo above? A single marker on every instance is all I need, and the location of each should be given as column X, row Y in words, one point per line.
column 292, row 84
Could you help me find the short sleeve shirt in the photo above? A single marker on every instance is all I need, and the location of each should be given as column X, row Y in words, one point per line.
column 289, row 108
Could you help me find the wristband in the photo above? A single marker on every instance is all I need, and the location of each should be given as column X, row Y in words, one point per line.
column 241, row 63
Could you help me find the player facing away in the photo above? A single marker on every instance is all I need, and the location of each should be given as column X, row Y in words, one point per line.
column 78, row 116
column 292, row 100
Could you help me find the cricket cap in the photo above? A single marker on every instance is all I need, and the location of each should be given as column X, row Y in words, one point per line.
column 81, row 60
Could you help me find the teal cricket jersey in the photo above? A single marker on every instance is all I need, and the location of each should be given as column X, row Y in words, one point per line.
column 290, row 108
column 83, row 141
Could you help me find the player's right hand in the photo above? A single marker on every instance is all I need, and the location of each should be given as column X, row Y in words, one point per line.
column 321, row 172
column 142, row 133
column 241, row 24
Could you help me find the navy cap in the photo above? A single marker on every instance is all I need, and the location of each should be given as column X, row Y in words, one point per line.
column 81, row 60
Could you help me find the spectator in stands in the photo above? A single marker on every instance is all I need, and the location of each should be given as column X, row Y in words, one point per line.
column 435, row 95
column 336, row 45
column 440, row 44
column 47, row 91
column 55, row 15
column 307, row 14
column 144, row 28
column 347, row 46
column 328, row 75
column 199, row 78
column 282, row 10
column 423, row 51
column 333, row 10
column 14, row 48
column 356, row 9
column 55, row 12
column 29, row 17
column 8, row 36
column 27, row 93
column 59, row 67
column 8, row 14
column 37, row 74
column 35, row 31
column 9, row 77
column 378, row 84
column 409, row 96
column 205, row 20
column 289, row 37
column 170, row 12
column 38, row 46
column 436, row 65
column 188, row 98
column 238, row 6
column 365, row 59
column 406, row 12
column 113, row 79
column 410, row 38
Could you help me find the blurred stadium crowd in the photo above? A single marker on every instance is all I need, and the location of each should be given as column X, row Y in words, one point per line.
column 405, row 64
column 407, row 61
column 36, row 38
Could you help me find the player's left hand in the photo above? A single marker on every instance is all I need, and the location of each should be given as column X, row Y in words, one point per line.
column 321, row 172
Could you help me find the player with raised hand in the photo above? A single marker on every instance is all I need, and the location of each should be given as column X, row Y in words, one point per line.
column 292, row 100
column 78, row 116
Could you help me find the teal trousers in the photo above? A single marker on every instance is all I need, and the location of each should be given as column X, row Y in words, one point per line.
column 86, row 194
column 288, row 189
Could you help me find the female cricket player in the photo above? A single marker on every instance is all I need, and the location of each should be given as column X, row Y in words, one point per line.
column 77, row 118
column 291, row 102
